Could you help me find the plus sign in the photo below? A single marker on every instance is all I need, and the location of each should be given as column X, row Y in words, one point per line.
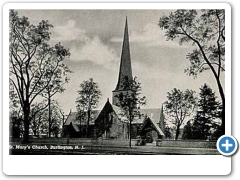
column 227, row 145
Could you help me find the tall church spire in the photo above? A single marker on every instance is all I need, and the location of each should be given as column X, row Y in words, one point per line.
column 125, row 71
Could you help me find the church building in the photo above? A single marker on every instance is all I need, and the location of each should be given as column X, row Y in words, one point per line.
column 110, row 122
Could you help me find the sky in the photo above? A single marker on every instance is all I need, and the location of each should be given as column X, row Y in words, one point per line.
column 94, row 38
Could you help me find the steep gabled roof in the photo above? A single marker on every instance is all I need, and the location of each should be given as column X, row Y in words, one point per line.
column 153, row 114
column 72, row 118
column 76, row 127
column 154, row 125
column 119, row 113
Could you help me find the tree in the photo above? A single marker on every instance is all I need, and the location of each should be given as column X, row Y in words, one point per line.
column 188, row 131
column 15, row 113
column 208, row 106
column 40, row 121
column 168, row 132
column 33, row 62
column 81, row 117
column 162, row 123
column 55, row 86
column 207, row 113
column 37, row 116
column 55, row 125
column 88, row 99
column 179, row 106
column 13, row 97
column 205, row 29
column 63, row 120
column 130, row 101
column 16, row 123
column 217, row 131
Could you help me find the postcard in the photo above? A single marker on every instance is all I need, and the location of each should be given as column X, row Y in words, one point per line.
column 138, row 88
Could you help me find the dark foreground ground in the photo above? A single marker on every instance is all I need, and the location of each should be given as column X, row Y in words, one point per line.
column 149, row 149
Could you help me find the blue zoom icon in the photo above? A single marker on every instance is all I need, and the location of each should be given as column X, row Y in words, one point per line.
column 227, row 145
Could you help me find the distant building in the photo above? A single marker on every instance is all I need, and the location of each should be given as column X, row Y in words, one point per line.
column 110, row 121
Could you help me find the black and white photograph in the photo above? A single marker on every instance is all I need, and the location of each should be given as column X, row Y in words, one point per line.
column 116, row 81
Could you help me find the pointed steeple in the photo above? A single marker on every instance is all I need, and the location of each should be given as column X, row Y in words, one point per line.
column 125, row 70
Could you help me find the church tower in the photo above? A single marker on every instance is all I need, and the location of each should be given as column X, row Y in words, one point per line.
column 125, row 71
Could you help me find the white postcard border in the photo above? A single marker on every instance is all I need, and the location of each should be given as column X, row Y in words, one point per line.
column 109, row 164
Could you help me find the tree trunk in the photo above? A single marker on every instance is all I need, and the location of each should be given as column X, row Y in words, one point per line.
column 177, row 132
column 49, row 115
column 34, row 126
column 130, row 138
column 18, row 128
column 35, row 132
column 26, row 111
column 130, row 130
column 223, row 119
column 221, row 92
column 80, row 127
column 88, row 120
column 220, row 88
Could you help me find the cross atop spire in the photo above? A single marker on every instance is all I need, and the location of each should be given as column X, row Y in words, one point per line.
column 125, row 71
